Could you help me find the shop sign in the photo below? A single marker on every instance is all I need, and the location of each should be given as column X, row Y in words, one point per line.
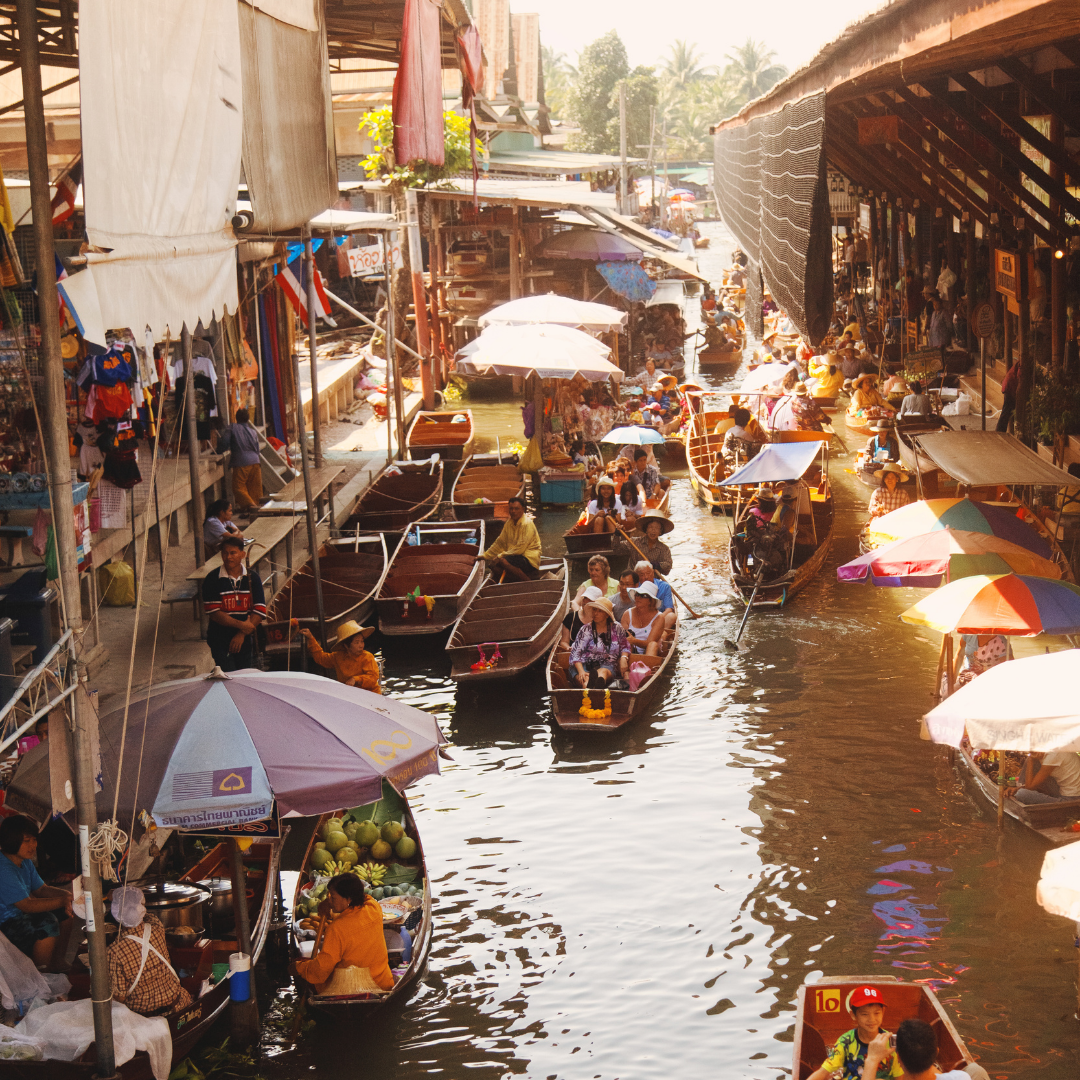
column 267, row 829
column 864, row 218
column 1006, row 273
column 368, row 261
column 983, row 319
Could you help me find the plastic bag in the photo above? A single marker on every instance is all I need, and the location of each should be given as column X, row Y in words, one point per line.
column 116, row 581
column 16, row 1047
column 639, row 672
column 960, row 407
column 533, row 459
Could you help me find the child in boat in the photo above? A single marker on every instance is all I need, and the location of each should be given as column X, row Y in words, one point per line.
column 848, row 1055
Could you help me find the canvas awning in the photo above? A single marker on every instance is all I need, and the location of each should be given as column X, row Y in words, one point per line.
column 983, row 458
column 668, row 292
column 647, row 243
column 776, row 462
column 547, row 350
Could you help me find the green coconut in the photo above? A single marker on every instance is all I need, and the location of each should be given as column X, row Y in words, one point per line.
column 367, row 833
column 392, row 832
column 330, row 825
column 320, row 857
column 335, row 841
column 405, row 848
column 350, row 829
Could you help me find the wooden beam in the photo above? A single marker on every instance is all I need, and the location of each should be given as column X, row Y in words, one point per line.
column 1054, row 188
column 1040, row 90
column 973, row 167
column 852, row 162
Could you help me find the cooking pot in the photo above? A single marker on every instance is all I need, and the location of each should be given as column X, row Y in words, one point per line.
column 175, row 903
column 220, row 889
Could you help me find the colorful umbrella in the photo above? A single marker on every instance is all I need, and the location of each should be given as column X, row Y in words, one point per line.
column 627, row 279
column 966, row 514
column 220, row 750
column 594, row 245
column 1011, row 604
column 1025, row 705
column 926, row 561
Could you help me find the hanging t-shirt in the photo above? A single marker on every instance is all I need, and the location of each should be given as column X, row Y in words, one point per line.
column 117, row 365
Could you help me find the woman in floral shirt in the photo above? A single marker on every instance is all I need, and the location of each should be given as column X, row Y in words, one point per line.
column 600, row 652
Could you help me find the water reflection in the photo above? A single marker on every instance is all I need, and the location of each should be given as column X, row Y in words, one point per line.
column 648, row 903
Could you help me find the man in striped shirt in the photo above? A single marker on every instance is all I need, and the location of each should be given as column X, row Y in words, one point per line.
column 235, row 604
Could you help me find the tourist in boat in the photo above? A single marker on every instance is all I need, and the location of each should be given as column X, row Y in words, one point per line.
column 602, row 509
column 623, row 600
column 849, row 1053
column 917, row 1049
column 353, row 665
column 1047, row 778
column 889, row 495
column 647, row 474
column 916, row 403
column 882, row 447
column 140, row 974
column 353, row 940
column 30, row 910
column 797, row 411
column 516, row 550
column 235, row 605
column 217, row 524
column 629, row 504
column 573, row 620
column 599, row 576
column 644, row 622
column 601, row 652
column 653, row 526
column 647, row 572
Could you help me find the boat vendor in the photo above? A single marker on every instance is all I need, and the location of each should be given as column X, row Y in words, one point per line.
column 516, row 550
column 645, row 570
column 600, row 652
column 895, row 390
column 1047, row 778
column 889, row 495
column 217, row 523
column 353, row 957
column 848, row 1055
column 644, row 622
column 353, row 665
column 883, row 447
column 715, row 338
column 139, row 970
column 29, row 909
column 654, row 525
column 235, row 604
column 866, row 399
column 797, row 411
column 646, row 378
column 916, row 403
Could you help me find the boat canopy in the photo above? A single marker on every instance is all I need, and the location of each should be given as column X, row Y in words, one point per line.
column 776, row 462
column 983, row 458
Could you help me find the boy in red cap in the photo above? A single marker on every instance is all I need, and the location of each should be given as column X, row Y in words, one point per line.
column 848, row 1056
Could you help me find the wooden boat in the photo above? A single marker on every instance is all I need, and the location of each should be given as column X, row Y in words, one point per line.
column 402, row 493
column 496, row 483
column 582, row 543
column 442, row 433
column 813, row 537
column 187, row 1026
column 914, row 461
column 518, row 619
column 354, row 1007
column 821, row 1018
column 442, row 564
column 708, row 357
column 626, row 705
column 351, row 568
column 703, row 459
column 1047, row 819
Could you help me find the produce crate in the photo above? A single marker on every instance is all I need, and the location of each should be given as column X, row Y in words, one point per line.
column 562, row 492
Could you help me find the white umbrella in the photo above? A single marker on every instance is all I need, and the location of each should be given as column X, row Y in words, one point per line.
column 1028, row 705
column 552, row 352
column 1059, row 883
column 763, row 377
column 555, row 309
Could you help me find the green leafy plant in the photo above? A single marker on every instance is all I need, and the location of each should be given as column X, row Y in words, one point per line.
column 380, row 164
column 1055, row 407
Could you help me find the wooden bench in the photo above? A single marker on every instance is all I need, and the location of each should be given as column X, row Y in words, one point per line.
column 15, row 535
column 185, row 594
column 293, row 492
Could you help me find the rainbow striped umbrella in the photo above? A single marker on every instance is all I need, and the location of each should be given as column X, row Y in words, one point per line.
column 967, row 515
column 1010, row 604
column 926, row 561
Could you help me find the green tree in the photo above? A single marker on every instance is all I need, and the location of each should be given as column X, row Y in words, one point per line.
column 683, row 68
column 601, row 65
column 752, row 71
column 559, row 76
column 642, row 96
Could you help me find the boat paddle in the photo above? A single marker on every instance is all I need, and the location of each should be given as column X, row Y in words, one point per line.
column 733, row 646
column 693, row 613
column 301, row 1005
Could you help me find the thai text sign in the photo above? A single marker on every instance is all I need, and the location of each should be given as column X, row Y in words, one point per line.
column 367, row 261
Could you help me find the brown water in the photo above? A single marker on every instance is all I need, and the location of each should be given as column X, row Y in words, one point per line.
column 644, row 904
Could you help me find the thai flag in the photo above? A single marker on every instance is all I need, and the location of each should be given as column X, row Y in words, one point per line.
column 63, row 202
column 293, row 283
column 61, row 273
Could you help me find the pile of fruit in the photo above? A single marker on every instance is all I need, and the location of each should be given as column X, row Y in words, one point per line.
column 343, row 844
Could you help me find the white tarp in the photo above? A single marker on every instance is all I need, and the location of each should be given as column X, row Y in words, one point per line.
column 294, row 12
column 161, row 132
column 1058, row 890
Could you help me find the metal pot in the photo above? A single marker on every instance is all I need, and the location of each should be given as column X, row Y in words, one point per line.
column 175, row 903
column 220, row 889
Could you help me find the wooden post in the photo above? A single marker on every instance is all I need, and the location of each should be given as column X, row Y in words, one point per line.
column 1026, row 357
column 1057, row 266
column 316, row 407
column 515, row 254
column 940, row 667
column 949, row 664
column 1001, row 790
column 416, row 263
column 197, row 507
column 243, row 1015
column 438, row 355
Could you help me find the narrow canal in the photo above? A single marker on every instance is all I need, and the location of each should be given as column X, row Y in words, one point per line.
column 644, row 904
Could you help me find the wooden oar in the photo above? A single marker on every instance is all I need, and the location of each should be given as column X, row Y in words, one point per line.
column 693, row 613
column 733, row 646
column 298, row 1016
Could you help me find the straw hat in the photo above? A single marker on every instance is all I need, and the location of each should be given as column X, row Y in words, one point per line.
column 668, row 382
column 605, row 481
column 800, row 390
column 860, row 379
column 604, row 605
column 687, row 386
column 348, row 981
column 892, row 467
column 667, row 525
column 348, row 630
column 883, row 424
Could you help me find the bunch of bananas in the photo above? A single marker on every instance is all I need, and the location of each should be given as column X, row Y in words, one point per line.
column 332, row 869
column 370, row 872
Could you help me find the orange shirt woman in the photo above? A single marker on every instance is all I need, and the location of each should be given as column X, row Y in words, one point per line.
column 354, row 939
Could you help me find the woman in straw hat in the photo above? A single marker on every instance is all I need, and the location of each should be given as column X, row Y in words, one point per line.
column 353, row 665
column 890, row 495
column 600, row 653
column 353, row 957
column 866, row 401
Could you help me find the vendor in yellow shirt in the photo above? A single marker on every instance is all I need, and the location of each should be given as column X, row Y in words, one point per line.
column 353, row 665
column 517, row 550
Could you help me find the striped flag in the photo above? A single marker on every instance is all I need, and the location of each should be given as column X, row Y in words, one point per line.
column 63, row 202
column 293, row 283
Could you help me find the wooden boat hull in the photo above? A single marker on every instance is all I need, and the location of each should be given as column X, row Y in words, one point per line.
column 913, row 460
column 1047, row 819
column 522, row 617
column 584, row 544
column 346, row 1009
column 702, row 447
column 436, row 433
column 396, row 501
column 448, row 572
column 496, row 483
column 626, row 705
column 821, row 1018
column 719, row 358
column 186, row 1027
